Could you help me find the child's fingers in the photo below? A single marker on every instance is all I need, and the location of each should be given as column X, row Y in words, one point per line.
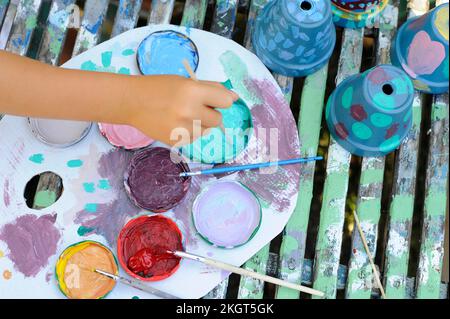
column 210, row 117
column 216, row 95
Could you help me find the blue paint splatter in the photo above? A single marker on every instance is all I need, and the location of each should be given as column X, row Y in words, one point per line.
column 75, row 163
column 163, row 52
column 90, row 207
column 37, row 158
column 89, row 187
column 103, row 184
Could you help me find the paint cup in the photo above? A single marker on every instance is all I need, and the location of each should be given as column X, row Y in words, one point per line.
column 226, row 214
column 59, row 133
column 124, row 136
column 163, row 52
column 74, row 270
column 152, row 179
column 294, row 37
column 155, row 234
column 369, row 114
column 356, row 13
column 421, row 49
column 223, row 144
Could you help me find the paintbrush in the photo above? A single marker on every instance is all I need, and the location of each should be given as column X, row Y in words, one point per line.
column 194, row 77
column 136, row 284
column 227, row 169
column 245, row 272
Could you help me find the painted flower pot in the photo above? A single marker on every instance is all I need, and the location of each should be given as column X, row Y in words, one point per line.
column 294, row 37
column 356, row 13
column 369, row 114
column 421, row 49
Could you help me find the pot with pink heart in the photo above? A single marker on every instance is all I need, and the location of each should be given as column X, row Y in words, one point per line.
column 421, row 49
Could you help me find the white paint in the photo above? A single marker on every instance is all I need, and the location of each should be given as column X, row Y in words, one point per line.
column 59, row 132
column 397, row 244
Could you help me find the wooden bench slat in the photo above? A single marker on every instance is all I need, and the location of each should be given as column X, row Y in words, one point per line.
column 161, row 12
column 433, row 229
column 25, row 21
column 292, row 248
column 224, row 16
column 403, row 193
column 194, row 13
column 7, row 22
column 91, row 24
column 126, row 16
column 3, row 8
column 332, row 214
column 368, row 206
column 55, row 33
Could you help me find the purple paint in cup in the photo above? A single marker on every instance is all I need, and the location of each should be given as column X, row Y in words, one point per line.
column 226, row 214
column 152, row 181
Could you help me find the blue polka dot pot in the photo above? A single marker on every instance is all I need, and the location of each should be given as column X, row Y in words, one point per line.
column 369, row 114
column 294, row 37
column 356, row 13
column 421, row 50
column 163, row 52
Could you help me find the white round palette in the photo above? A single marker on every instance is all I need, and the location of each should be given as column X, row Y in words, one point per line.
column 94, row 206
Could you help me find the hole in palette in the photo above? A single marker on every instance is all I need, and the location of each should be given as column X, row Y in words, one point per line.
column 43, row 190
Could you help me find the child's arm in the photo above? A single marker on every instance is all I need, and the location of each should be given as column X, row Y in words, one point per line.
column 153, row 104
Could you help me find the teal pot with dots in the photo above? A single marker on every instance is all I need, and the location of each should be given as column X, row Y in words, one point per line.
column 357, row 13
column 369, row 114
column 294, row 37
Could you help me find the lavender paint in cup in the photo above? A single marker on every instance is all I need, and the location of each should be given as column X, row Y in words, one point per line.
column 226, row 214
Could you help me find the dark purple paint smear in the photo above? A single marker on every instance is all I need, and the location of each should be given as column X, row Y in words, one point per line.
column 110, row 217
column 277, row 188
column 152, row 179
column 31, row 242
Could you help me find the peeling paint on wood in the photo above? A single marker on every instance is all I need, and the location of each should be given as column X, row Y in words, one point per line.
column 91, row 24
column 23, row 26
column 55, row 31
column 224, row 17
column 194, row 13
column 433, row 229
column 368, row 206
column 402, row 205
column 126, row 16
column 255, row 6
column 329, row 240
column 3, row 8
column 219, row 292
column 161, row 12
column 292, row 248
column 7, row 23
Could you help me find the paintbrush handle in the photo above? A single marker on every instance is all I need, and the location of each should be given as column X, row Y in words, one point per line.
column 137, row 284
column 249, row 273
column 227, row 169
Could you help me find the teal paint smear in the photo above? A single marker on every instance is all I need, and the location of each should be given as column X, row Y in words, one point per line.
column 44, row 198
column 106, row 59
column 124, row 70
column 75, row 163
column 82, row 231
column 103, row 184
column 128, row 52
column 37, row 158
column 347, row 97
column 381, row 120
column 135, row 297
column 90, row 207
column 361, row 131
column 88, row 66
column 89, row 187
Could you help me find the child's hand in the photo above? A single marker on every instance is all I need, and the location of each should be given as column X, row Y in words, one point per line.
column 175, row 102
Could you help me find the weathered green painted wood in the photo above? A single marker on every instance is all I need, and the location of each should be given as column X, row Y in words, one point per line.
column 91, row 24
column 219, row 292
column 292, row 248
column 161, row 11
column 126, row 16
column 8, row 20
column 433, row 229
column 55, row 32
column 224, row 16
column 368, row 206
column 402, row 204
column 3, row 8
column 23, row 26
column 328, row 246
column 194, row 13
column 255, row 6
